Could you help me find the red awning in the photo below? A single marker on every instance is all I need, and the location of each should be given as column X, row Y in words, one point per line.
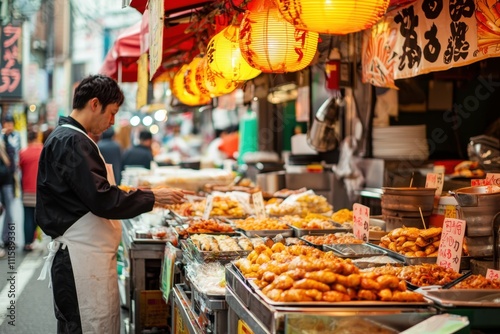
column 121, row 61
column 170, row 6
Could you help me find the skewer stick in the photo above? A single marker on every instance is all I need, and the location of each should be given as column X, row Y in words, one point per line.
column 422, row 216
column 411, row 180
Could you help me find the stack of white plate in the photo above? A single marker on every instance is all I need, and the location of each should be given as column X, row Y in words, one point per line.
column 404, row 142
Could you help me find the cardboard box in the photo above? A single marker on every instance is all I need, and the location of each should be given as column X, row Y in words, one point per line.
column 153, row 309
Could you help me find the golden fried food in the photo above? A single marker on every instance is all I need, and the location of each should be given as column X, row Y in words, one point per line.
column 335, row 296
column 431, row 232
column 343, row 216
column 478, row 282
column 367, row 295
column 255, row 224
column 275, row 294
column 296, row 295
column 388, row 281
column 385, row 294
column 307, row 283
column 323, row 276
column 369, row 284
column 353, row 280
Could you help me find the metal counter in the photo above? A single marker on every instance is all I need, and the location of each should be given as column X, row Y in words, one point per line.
column 263, row 318
column 141, row 255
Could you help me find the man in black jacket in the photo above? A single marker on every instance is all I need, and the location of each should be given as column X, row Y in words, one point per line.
column 140, row 155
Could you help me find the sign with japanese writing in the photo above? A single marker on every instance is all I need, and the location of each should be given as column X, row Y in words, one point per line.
column 450, row 246
column 258, row 204
column 361, row 221
column 428, row 36
column 155, row 35
column 478, row 182
column 493, row 274
column 435, row 180
column 208, row 207
column 493, row 179
column 11, row 62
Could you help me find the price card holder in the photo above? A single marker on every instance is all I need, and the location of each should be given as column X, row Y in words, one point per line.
column 361, row 222
column 450, row 246
column 167, row 270
column 208, row 207
column 493, row 274
column 258, row 204
column 493, row 179
column 435, row 180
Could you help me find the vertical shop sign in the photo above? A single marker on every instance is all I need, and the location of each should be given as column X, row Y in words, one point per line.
column 156, row 12
column 11, row 64
column 428, row 36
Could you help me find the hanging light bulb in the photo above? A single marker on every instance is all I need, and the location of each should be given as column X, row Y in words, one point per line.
column 273, row 45
column 225, row 59
column 333, row 16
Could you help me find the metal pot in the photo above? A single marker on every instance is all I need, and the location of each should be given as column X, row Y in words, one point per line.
column 324, row 134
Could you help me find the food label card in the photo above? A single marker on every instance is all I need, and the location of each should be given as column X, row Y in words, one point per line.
column 208, row 207
column 493, row 179
column 450, row 246
column 435, row 180
column 361, row 221
column 493, row 274
column 258, row 204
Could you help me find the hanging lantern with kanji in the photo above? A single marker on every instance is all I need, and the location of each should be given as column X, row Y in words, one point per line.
column 224, row 56
column 273, row 45
column 338, row 17
column 211, row 84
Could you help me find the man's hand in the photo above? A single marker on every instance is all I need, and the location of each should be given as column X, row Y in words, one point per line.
column 166, row 196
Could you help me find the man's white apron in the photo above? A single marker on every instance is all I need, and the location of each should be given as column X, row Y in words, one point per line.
column 92, row 244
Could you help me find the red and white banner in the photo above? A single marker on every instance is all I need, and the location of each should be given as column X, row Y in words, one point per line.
column 428, row 36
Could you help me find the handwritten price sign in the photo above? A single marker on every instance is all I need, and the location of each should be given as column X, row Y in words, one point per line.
column 361, row 221
column 208, row 207
column 435, row 180
column 478, row 182
column 258, row 204
column 450, row 246
column 493, row 179
column 492, row 274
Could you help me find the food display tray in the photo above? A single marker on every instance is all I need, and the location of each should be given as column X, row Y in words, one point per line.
column 222, row 257
column 266, row 233
column 355, row 251
column 299, row 232
column 355, row 303
column 465, row 297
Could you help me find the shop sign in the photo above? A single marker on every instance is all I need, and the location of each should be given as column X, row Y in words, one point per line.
column 450, row 246
column 429, row 36
column 361, row 222
column 11, row 64
column 155, row 35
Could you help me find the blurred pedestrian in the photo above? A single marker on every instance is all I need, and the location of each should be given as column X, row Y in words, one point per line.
column 28, row 164
column 112, row 152
column 10, row 156
column 140, row 155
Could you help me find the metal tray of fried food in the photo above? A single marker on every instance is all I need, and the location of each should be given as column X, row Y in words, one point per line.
column 356, row 303
column 299, row 232
column 211, row 256
column 465, row 298
column 266, row 233
column 355, row 251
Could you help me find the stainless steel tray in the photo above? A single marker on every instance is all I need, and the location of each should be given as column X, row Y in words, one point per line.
column 355, row 251
column 356, row 303
column 223, row 257
column 299, row 232
column 266, row 233
column 465, row 298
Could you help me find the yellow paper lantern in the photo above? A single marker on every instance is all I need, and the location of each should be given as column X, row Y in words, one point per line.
column 224, row 56
column 333, row 16
column 273, row 45
column 180, row 92
column 211, row 84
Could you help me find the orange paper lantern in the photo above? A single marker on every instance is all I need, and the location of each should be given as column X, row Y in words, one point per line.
column 333, row 16
column 225, row 59
column 180, row 92
column 273, row 45
column 211, row 84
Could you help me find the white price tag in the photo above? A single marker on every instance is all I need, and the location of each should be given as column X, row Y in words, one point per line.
column 208, row 207
column 258, row 204
column 435, row 180
column 450, row 246
column 361, row 221
column 493, row 274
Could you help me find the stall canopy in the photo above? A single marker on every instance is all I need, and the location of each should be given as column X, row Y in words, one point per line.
column 121, row 61
column 169, row 5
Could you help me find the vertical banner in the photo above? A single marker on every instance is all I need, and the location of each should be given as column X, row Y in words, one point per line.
column 142, row 81
column 156, row 12
column 428, row 36
column 11, row 62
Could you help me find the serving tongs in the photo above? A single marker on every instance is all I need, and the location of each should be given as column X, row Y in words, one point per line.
column 446, row 286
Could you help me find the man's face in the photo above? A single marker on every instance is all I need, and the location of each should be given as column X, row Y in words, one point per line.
column 8, row 127
column 104, row 118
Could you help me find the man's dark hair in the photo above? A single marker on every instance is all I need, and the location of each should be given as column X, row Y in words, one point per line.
column 105, row 89
column 32, row 135
column 145, row 135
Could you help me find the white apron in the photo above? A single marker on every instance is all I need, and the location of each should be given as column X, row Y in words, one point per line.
column 92, row 244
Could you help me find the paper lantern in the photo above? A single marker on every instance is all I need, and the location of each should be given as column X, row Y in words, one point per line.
column 211, row 84
column 224, row 56
column 333, row 16
column 273, row 45
column 179, row 90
